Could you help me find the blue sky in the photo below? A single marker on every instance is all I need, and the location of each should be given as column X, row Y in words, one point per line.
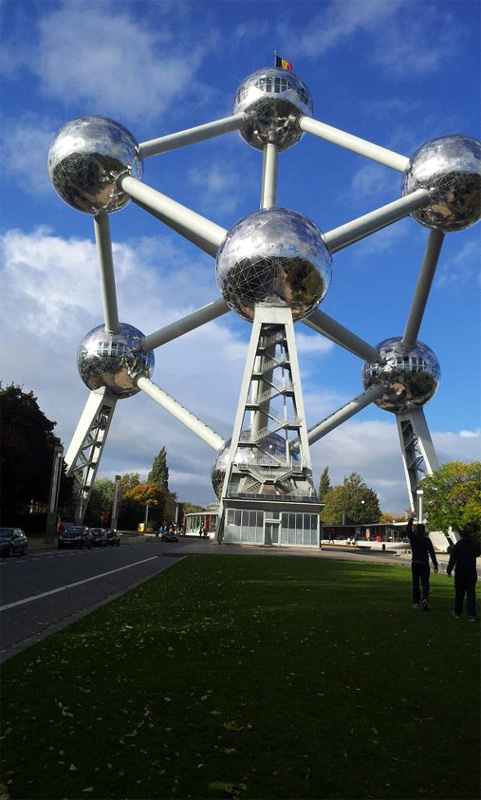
column 395, row 72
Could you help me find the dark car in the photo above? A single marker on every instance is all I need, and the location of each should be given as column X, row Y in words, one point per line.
column 113, row 538
column 169, row 537
column 13, row 542
column 75, row 536
column 99, row 537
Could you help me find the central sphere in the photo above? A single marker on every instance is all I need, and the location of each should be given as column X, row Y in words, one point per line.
column 85, row 160
column 274, row 256
column 410, row 376
column 112, row 359
column 272, row 100
column 272, row 451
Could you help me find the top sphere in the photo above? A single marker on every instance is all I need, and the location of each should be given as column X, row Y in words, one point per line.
column 272, row 100
column 85, row 160
column 274, row 256
column 450, row 168
column 410, row 376
column 112, row 359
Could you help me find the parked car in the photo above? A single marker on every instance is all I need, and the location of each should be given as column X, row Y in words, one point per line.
column 168, row 537
column 113, row 538
column 13, row 542
column 99, row 537
column 75, row 536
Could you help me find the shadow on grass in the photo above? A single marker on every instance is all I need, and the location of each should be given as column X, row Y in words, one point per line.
column 250, row 677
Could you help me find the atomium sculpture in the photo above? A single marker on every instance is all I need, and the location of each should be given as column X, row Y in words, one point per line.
column 273, row 268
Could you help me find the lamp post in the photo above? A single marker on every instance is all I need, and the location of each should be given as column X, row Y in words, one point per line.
column 115, row 504
column 420, row 510
column 51, row 528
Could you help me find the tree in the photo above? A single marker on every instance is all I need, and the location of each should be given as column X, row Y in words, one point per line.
column 324, row 484
column 26, row 456
column 353, row 503
column 100, row 502
column 159, row 473
column 452, row 497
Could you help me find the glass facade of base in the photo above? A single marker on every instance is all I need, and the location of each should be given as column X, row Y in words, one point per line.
column 295, row 529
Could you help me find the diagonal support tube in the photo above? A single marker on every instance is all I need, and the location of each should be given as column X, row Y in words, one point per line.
column 423, row 287
column 107, row 275
column 359, row 228
column 178, row 411
column 197, row 229
column 188, row 323
column 360, row 146
column 336, row 332
column 269, row 176
column 173, row 141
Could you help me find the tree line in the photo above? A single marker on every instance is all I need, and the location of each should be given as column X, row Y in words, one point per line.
column 452, row 495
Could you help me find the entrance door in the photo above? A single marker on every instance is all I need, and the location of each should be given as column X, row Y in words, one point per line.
column 271, row 533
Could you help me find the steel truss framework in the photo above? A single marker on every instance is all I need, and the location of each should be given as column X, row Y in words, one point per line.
column 259, row 388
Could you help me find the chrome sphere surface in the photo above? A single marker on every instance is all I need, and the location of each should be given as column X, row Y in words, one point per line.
column 274, row 256
column 111, row 359
column 273, row 449
column 86, row 158
column 272, row 100
column 410, row 376
column 450, row 168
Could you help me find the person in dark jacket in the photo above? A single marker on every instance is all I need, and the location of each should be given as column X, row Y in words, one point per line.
column 421, row 549
column 463, row 561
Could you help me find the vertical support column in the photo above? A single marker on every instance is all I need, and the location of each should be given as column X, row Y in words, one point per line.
column 417, row 451
column 86, row 448
column 269, row 176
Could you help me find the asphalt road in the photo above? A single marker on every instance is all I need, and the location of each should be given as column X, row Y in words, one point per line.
column 48, row 589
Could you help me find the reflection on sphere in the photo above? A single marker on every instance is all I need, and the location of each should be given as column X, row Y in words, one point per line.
column 269, row 452
column 274, row 256
column 111, row 359
column 85, row 160
column 272, row 100
column 450, row 168
column 410, row 376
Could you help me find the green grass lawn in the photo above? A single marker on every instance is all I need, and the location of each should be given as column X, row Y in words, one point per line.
column 254, row 677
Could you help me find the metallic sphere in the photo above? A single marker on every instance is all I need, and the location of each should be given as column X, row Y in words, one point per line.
column 272, row 450
column 272, row 99
column 410, row 376
column 450, row 168
column 112, row 359
column 277, row 257
column 85, row 160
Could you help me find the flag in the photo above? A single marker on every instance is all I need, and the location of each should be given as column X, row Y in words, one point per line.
column 283, row 64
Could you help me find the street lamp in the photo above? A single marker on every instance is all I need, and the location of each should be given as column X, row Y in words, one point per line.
column 420, row 493
column 51, row 528
column 115, row 505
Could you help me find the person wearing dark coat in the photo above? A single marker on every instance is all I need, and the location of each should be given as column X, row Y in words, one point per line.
column 421, row 549
column 463, row 561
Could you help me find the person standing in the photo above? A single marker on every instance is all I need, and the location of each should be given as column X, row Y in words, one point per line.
column 463, row 561
column 421, row 549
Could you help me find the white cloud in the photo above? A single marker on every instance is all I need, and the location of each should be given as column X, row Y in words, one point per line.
column 455, row 272
column 109, row 61
column 400, row 37
column 219, row 185
column 53, row 285
column 24, row 146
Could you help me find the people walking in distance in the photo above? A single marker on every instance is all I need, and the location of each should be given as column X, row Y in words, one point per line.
column 463, row 561
column 421, row 549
